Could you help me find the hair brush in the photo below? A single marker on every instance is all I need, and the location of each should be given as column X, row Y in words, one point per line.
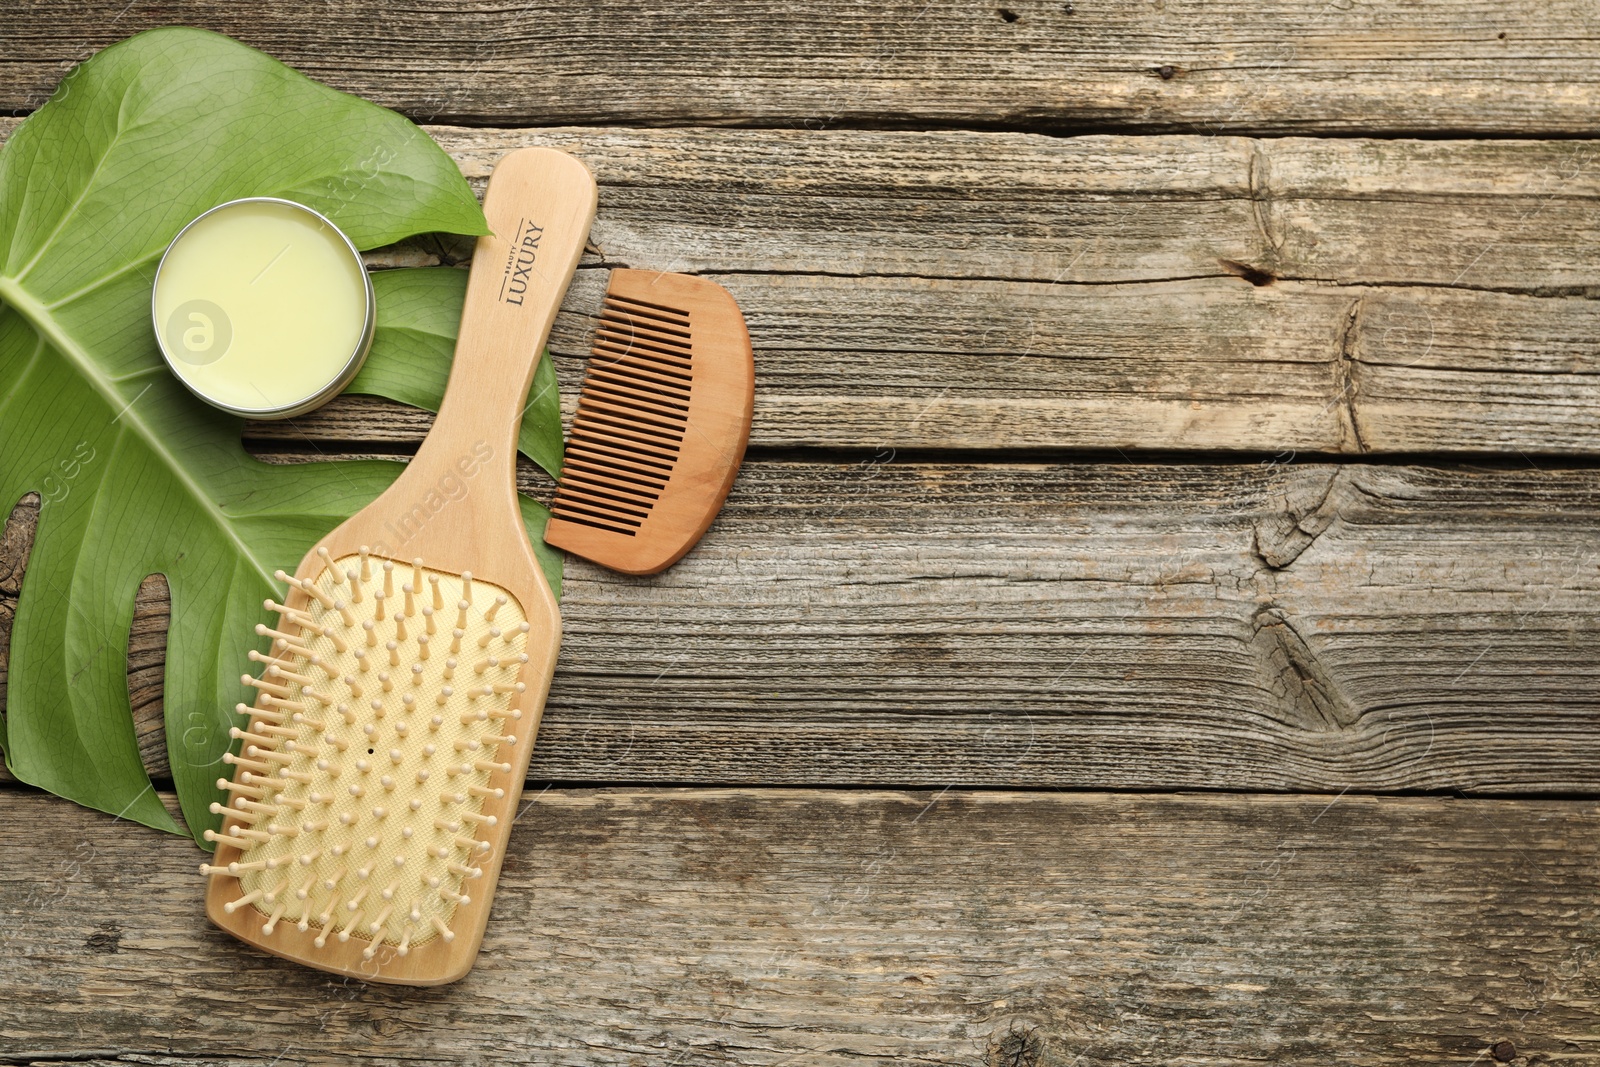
column 376, row 783
column 661, row 425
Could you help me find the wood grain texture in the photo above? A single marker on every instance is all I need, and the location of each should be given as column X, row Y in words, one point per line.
column 982, row 291
column 767, row 927
column 1130, row 626
column 972, row 290
column 1185, row 65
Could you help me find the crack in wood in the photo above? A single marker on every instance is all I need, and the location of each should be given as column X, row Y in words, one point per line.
column 1346, row 382
column 1280, row 539
column 1262, row 202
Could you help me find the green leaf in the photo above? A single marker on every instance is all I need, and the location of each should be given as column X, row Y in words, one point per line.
column 136, row 476
column 421, row 309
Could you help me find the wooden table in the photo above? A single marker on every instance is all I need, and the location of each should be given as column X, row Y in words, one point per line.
column 1159, row 618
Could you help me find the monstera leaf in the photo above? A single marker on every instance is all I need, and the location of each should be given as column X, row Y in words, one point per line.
column 136, row 476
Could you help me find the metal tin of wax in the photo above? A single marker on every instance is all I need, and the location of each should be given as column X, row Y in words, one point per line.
column 262, row 308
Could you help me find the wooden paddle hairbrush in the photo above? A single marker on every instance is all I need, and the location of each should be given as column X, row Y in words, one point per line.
column 661, row 425
column 378, row 778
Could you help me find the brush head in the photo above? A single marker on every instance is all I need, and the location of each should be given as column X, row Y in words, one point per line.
column 370, row 786
column 661, row 426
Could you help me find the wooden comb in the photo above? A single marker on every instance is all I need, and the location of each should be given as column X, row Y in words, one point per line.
column 377, row 781
column 661, row 426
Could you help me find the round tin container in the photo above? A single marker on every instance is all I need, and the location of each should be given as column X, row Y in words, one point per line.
column 296, row 320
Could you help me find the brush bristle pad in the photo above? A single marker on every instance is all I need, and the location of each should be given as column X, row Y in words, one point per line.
column 359, row 784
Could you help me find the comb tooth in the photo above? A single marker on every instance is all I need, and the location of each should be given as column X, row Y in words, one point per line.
column 596, row 443
column 637, row 358
column 606, row 471
column 609, row 478
column 629, row 325
column 655, row 325
column 597, row 483
column 576, row 491
column 597, row 416
column 620, row 389
column 613, row 293
column 670, row 378
column 667, row 369
column 646, row 307
column 622, row 446
column 600, row 415
column 636, row 417
column 573, row 503
column 622, row 345
column 578, row 496
column 598, row 520
column 611, row 348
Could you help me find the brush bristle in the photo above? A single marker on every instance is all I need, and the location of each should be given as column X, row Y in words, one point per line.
column 631, row 416
column 359, row 784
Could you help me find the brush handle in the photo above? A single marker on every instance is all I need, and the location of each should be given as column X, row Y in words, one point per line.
column 540, row 203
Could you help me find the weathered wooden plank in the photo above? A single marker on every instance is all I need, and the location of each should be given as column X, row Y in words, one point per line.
column 1305, row 65
column 767, row 927
column 1271, row 627
column 980, row 290
column 1195, row 365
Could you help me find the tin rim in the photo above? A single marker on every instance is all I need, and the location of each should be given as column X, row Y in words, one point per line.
column 336, row 385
